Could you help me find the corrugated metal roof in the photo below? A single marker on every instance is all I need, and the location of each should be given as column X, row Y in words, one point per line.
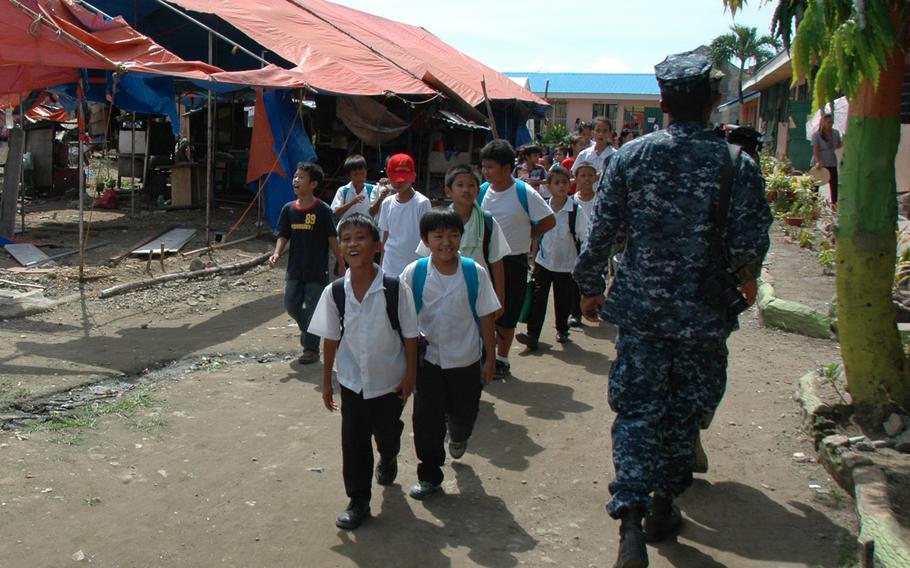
column 594, row 83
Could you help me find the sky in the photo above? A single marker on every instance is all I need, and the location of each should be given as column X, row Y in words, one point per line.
column 606, row 36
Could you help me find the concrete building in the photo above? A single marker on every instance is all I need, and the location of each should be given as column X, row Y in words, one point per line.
column 629, row 100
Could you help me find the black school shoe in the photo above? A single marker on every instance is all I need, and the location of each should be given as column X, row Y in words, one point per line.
column 387, row 471
column 503, row 370
column 530, row 342
column 354, row 515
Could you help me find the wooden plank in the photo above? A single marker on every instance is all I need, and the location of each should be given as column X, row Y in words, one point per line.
column 173, row 241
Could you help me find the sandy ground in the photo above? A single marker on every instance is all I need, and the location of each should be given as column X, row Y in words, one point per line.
column 227, row 458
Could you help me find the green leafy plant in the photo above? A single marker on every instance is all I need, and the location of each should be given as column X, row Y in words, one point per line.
column 554, row 134
column 743, row 44
column 826, row 255
column 806, row 239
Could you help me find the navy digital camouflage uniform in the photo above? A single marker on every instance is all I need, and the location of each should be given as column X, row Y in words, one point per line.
column 671, row 345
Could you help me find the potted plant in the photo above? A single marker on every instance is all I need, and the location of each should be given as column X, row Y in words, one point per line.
column 804, row 206
column 777, row 184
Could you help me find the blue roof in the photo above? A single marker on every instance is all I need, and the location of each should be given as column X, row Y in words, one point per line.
column 593, row 83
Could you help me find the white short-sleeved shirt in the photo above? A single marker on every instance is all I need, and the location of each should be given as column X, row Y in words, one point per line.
column 557, row 252
column 347, row 194
column 446, row 320
column 588, row 208
column 402, row 221
column 472, row 242
column 589, row 154
column 370, row 356
column 511, row 216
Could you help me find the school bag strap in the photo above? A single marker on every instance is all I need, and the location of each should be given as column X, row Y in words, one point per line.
column 390, row 289
column 521, row 190
column 469, row 272
column 344, row 192
column 487, row 235
column 573, row 220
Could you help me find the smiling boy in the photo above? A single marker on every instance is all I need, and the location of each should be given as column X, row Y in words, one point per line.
column 307, row 224
column 369, row 326
column 455, row 306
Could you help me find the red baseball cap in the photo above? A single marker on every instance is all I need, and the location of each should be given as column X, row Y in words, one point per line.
column 400, row 168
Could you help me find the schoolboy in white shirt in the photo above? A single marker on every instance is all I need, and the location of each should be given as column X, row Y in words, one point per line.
column 455, row 305
column 375, row 363
column 399, row 216
column 523, row 215
column 598, row 153
column 585, row 178
column 555, row 260
column 482, row 240
column 357, row 195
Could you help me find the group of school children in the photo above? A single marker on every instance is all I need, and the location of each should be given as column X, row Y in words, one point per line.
column 430, row 299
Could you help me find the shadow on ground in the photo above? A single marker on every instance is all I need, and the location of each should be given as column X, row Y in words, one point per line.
column 464, row 521
column 134, row 348
column 547, row 401
column 744, row 521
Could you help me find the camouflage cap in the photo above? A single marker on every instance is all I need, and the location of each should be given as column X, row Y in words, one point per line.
column 683, row 72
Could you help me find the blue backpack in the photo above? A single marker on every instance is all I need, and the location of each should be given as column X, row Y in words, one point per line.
column 368, row 187
column 468, row 268
column 520, row 189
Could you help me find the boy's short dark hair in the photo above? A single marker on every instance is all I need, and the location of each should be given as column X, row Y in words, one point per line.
column 359, row 220
column 529, row 149
column 440, row 219
column 353, row 163
column 604, row 120
column 558, row 170
column 458, row 170
column 499, row 151
column 313, row 171
column 582, row 126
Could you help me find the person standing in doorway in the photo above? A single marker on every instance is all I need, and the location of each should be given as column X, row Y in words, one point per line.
column 825, row 141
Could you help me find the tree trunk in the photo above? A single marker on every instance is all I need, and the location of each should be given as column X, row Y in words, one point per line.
column 742, row 70
column 873, row 355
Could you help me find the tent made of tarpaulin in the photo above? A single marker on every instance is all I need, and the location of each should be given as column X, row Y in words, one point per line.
column 344, row 51
column 44, row 43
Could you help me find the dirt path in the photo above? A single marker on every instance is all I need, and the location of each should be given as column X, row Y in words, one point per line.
column 238, row 464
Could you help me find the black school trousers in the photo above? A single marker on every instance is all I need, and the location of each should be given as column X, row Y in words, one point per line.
column 443, row 396
column 361, row 420
column 563, row 298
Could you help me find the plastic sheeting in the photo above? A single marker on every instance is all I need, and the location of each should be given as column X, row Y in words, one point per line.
column 369, row 120
column 290, row 144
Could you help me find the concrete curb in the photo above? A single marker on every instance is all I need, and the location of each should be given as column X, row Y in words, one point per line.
column 884, row 542
column 791, row 316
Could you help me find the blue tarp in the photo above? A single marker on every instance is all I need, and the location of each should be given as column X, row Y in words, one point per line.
column 147, row 94
column 282, row 115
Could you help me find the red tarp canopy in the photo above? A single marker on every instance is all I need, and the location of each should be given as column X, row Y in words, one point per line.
column 346, row 51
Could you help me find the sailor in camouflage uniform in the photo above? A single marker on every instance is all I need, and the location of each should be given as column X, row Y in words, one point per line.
column 671, row 345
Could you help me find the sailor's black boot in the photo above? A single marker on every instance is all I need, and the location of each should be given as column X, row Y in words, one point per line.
column 633, row 552
column 663, row 520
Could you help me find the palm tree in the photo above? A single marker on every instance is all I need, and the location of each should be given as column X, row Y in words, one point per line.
column 744, row 45
column 858, row 49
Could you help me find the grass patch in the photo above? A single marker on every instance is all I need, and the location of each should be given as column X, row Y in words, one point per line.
column 125, row 407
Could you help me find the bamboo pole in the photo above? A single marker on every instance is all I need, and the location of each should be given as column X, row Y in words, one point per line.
column 238, row 267
column 133, row 165
column 210, row 158
column 486, row 100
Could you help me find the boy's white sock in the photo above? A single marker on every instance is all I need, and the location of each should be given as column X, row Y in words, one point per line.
column 501, row 358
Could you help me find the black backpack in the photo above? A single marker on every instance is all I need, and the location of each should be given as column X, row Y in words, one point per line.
column 390, row 283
